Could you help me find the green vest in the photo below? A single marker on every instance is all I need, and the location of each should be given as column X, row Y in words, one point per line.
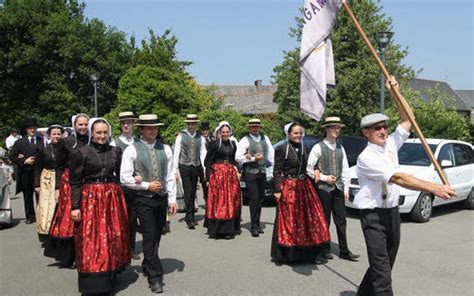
column 330, row 163
column 151, row 164
column 122, row 144
column 255, row 147
column 190, row 153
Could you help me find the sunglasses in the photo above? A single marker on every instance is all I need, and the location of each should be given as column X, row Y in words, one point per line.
column 379, row 127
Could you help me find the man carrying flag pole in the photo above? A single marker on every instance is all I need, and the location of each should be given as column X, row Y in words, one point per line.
column 377, row 166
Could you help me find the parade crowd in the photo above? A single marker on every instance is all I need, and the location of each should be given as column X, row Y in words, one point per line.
column 93, row 192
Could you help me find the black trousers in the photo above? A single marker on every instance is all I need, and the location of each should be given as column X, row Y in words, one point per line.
column 152, row 215
column 27, row 180
column 132, row 215
column 381, row 228
column 333, row 202
column 255, row 184
column 189, row 176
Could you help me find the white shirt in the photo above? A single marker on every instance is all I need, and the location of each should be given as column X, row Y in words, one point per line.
column 127, row 170
column 11, row 140
column 375, row 166
column 314, row 156
column 177, row 150
column 244, row 145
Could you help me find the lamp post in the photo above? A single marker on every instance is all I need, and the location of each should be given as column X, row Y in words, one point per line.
column 383, row 39
column 94, row 79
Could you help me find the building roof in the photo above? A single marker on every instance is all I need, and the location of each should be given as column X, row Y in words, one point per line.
column 424, row 85
column 467, row 95
column 248, row 99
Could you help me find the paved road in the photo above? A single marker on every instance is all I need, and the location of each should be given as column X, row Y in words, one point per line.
column 436, row 258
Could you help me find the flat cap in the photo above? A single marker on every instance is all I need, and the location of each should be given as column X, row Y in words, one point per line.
column 372, row 119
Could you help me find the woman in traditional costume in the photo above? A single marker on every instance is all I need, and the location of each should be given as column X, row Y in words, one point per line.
column 223, row 207
column 99, row 210
column 300, row 226
column 48, row 170
column 60, row 244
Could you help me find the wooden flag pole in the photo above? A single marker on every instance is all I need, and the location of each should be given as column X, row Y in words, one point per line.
column 400, row 100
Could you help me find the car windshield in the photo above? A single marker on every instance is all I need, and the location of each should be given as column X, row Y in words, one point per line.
column 353, row 145
column 414, row 154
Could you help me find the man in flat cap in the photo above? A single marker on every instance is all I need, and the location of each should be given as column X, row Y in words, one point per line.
column 23, row 152
column 153, row 162
column 330, row 160
column 255, row 153
column 378, row 173
column 127, row 121
column 189, row 155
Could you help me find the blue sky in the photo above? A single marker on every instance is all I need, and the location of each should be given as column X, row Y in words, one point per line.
column 239, row 41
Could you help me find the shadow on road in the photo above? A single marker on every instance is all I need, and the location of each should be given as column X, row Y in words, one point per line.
column 342, row 277
column 126, row 278
column 303, row 268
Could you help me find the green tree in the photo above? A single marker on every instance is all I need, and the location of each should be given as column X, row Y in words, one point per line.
column 159, row 83
column 357, row 75
column 435, row 117
column 49, row 52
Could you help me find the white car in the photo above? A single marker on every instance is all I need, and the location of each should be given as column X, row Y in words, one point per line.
column 457, row 161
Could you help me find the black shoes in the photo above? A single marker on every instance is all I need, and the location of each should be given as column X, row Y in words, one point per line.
column 260, row 230
column 30, row 220
column 156, row 287
column 192, row 225
column 349, row 256
column 166, row 229
column 328, row 256
column 135, row 255
column 255, row 233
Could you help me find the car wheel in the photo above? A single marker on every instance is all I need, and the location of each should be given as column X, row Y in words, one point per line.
column 423, row 208
column 469, row 202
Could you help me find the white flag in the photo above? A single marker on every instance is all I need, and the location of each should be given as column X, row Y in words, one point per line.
column 316, row 57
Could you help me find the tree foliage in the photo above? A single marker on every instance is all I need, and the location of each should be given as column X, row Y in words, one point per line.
column 49, row 52
column 435, row 117
column 159, row 83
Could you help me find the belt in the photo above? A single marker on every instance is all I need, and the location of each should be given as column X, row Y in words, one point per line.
column 296, row 177
column 100, row 180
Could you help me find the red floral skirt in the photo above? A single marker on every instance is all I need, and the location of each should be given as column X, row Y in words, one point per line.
column 102, row 235
column 301, row 221
column 62, row 225
column 223, row 197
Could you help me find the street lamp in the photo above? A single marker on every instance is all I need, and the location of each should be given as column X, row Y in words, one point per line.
column 94, row 79
column 383, row 39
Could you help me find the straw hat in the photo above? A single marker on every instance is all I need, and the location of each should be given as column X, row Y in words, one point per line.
column 333, row 120
column 148, row 120
column 254, row 122
column 190, row 118
column 126, row 116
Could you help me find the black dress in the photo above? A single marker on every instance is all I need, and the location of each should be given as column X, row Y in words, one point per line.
column 300, row 226
column 223, row 207
column 60, row 244
column 101, row 237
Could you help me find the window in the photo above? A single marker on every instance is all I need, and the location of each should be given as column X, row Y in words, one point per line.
column 463, row 154
column 414, row 154
column 446, row 153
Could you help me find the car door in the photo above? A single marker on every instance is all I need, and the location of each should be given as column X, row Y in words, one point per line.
column 451, row 172
column 464, row 168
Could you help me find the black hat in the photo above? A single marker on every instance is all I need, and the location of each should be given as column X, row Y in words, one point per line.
column 29, row 122
column 204, row 126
